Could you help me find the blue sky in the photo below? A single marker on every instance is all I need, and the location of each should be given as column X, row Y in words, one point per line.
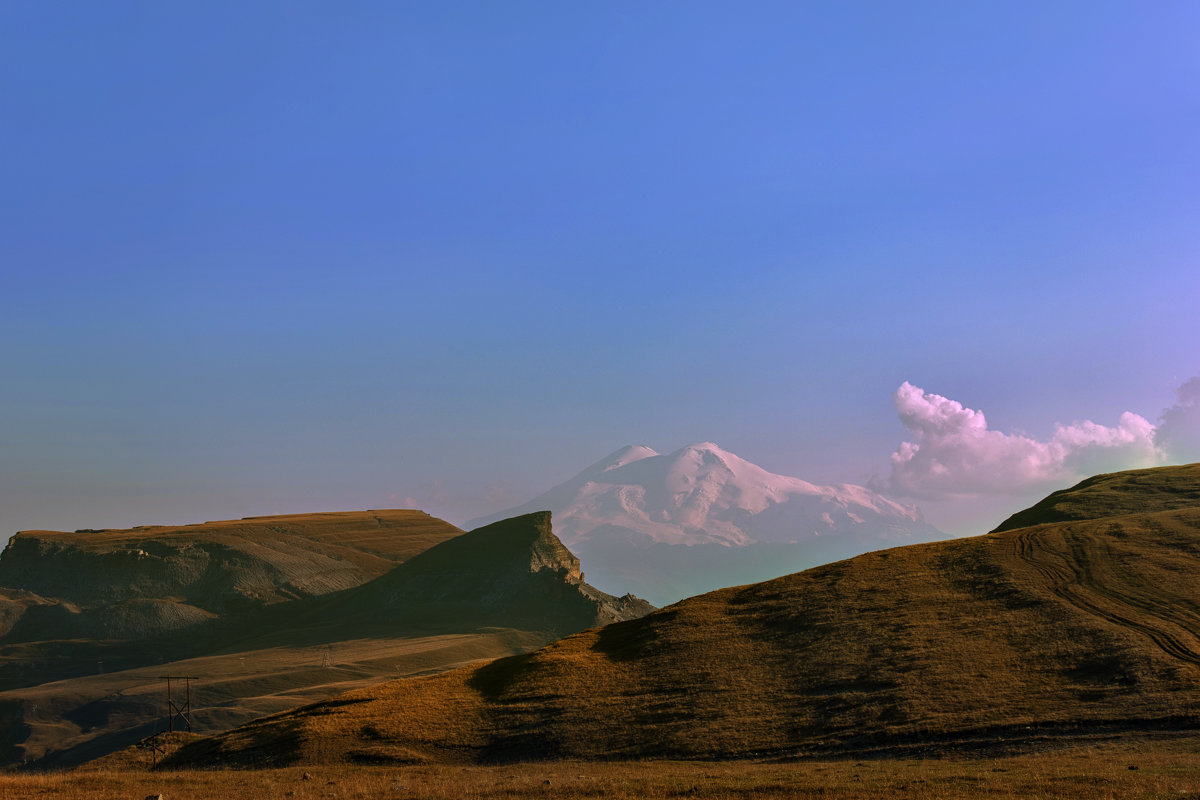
column 277, row 257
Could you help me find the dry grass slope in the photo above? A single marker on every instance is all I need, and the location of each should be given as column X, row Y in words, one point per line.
column 1113, row 495
column 1036, row 634
column 218, row 566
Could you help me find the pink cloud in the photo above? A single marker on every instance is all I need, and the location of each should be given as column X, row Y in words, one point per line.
column 952, row 451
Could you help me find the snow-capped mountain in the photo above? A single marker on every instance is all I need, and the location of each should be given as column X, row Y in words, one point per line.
column 712, row 519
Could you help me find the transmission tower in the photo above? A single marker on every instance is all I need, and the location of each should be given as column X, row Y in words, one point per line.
column 179, row 710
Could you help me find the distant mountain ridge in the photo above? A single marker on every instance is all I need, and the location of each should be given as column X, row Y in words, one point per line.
column 702, row 494
column 696, row 519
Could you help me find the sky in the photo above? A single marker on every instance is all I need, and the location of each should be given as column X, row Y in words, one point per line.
column 267, row 257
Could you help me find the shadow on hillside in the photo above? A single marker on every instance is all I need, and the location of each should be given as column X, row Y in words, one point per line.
column 629, row 641
column 492, row 679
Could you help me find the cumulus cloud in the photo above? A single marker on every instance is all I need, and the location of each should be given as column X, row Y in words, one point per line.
column 1178, row 434
column 952, row 451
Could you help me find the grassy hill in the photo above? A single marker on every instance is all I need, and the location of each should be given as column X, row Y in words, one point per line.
column 1113, row 495
column 1057, row 630
column 188, row 573
column 72, row 602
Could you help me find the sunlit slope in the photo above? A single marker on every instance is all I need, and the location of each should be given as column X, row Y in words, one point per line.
column 131, row 584
column 1115, row 494
column 218, row 564
column 1057, row 630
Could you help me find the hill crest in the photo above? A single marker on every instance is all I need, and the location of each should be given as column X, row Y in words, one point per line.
column 132, row 583
column 1114, row 494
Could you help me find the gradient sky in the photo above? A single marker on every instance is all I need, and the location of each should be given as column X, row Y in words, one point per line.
column 283, row 257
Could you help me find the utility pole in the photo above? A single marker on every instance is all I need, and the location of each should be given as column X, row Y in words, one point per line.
column 154, row 745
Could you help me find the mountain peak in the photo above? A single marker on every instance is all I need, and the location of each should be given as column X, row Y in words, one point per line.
column 701, row 499
column 702, row 493
column 706, row 447
column 705, row 452
column 619, row 458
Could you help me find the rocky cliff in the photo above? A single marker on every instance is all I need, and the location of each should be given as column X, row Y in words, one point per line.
column 512, row 572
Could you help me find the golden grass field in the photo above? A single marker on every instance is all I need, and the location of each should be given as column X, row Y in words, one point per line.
column 1161, row 767
column 237, row 685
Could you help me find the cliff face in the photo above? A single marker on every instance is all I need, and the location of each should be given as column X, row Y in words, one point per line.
column 512, row 572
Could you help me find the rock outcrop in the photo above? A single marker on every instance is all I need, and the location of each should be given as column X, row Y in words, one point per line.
column 514, row 572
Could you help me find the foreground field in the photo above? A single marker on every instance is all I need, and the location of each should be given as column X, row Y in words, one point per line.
column 1158, row 767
